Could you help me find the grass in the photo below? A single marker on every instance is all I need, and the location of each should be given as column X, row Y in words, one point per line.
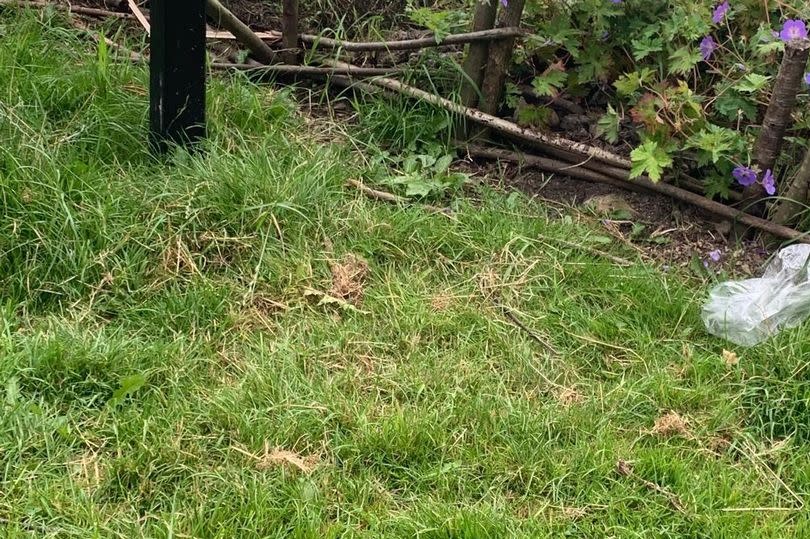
column 166, row 374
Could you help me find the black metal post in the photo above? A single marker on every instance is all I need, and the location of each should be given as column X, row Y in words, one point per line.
column 177, row 72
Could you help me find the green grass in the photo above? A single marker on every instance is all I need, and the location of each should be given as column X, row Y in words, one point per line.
column 425, row 413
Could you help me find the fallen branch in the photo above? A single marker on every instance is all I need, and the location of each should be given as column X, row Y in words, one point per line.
column 553, row 166
column 412, row 44
column 710, row 206
column 305, row 70
column 136, row 11
column 221, row 15
column 80, row 10
column 535, row 138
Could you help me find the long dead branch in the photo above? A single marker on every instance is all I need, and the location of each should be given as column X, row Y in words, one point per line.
column 710, row 206
column 220, row 14
column 411, row 44
column 534, row 138
column 305, row 70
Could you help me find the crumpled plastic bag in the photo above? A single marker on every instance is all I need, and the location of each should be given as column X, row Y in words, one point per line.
column 749, row 312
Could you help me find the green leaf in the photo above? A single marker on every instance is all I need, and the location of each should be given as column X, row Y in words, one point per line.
column 631, row 82
column 646, row 46
column 608, row 125
column 443, row 164
column 129, row 385
column 731, row 105
column 549, row 83
column 752, row 83
column 717, row 142
column 683, row 60
column 649, row 158
column 418, row 188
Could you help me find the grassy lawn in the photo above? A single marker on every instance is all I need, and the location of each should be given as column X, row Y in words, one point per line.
column 172, row 365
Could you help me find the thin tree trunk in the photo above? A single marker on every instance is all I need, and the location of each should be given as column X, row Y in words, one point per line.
column 779, row 113
column 500, row 59
column 476, row 60
column 289, row 31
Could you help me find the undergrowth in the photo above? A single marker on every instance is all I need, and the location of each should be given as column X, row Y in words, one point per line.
column 234, row 344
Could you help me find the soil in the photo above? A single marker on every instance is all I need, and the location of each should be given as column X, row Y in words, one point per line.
column 675, row 235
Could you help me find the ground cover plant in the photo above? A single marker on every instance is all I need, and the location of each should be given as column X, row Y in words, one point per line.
column 234, row 344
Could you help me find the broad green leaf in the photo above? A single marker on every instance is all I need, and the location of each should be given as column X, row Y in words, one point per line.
column 549, row 83
column 683, row 60
column 649, row 158
column 608, row 125
column 752, row 83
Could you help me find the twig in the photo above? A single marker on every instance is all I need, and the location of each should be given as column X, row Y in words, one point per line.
column 391, row 197
column 510, row 314
column 716, row 208
column 595, row 252
column 624, row 469
column 411, row 44
column 133, row 6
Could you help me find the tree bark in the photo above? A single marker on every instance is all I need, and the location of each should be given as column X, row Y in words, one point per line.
column 222, row 16
column 476, row 60
column 289, row 32
column 779, row 113
column 500, row 59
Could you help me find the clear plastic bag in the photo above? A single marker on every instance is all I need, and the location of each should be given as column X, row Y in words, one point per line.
column 749, row 312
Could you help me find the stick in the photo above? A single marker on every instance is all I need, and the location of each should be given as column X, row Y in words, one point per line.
column 240, row 30
column 264, row 36
column 476, row 60
column 390, row 197
column 535, row 138
column 677, row 193
column 305, row 70
column 410, row 44
column 590, row 250
column 81, row 10
column 139, row 15
column 289, row 32
column 500, row 60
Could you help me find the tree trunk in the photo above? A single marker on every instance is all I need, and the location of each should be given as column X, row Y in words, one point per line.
column 500, row 59
column 779, row 113
column 476, row 60
column 289, row 30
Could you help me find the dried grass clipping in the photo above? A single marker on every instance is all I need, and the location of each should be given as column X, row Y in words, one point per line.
column 348, row 278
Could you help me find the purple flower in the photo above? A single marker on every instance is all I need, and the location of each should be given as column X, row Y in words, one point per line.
column 793, row 29
column 769, row 183
column 715, row 256
column 745, row 176
column 807, row 79
column 720, row 12
column 707, row 47
column 504, row 3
